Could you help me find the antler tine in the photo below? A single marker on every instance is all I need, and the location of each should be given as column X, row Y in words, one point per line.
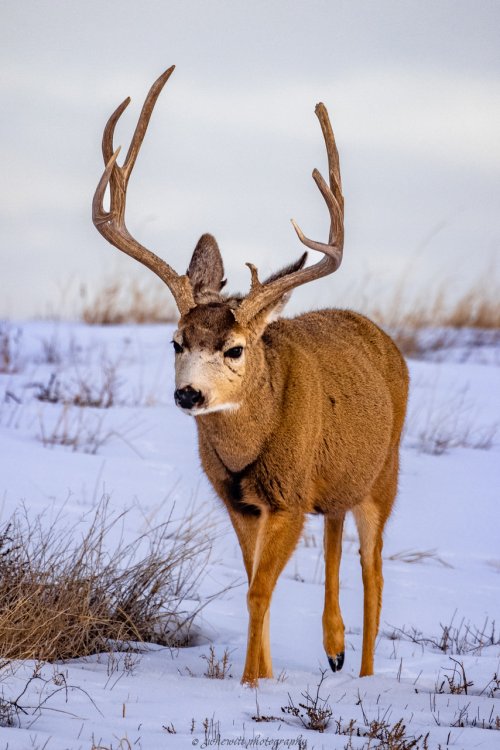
column 262, row 295
column 111, row 224
column 99, row 215
column 332, row 152
column 143, row 122
column 332, row 193
column 109, row 130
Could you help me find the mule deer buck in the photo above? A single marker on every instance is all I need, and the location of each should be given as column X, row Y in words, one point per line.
column 294, row 416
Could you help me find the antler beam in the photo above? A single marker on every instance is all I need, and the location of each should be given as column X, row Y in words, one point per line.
column 261, row 295
column 111, row 224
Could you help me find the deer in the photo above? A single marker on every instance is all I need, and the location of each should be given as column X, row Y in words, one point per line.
column 294, row 416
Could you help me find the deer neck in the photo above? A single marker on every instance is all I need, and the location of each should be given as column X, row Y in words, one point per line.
column 238, row 436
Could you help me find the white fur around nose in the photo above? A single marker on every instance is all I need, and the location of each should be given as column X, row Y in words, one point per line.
column 196, row 369
column 204, row 371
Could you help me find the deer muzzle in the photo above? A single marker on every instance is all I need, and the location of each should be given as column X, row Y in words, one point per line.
column 188, row 397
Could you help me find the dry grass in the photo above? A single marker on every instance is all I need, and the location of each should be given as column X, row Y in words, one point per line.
column 315, row 713
column 10, row 348
column 60, row 600
column 418, row 556
column 88, row 376
column 477, row 307
column 121, row 744
column 75, row 429
column 464, row 638
column 128, row 301
column 492, row 689
column 98, row 391
column 415, row 344
column 443, row 424
column 37, row 685
column 455, row 680
column 217, row 669
column 438, row 439
column 387, row 736
column 427, row 342
column 413, row 322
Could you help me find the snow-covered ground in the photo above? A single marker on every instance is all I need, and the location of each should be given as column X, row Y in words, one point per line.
column 142, row 453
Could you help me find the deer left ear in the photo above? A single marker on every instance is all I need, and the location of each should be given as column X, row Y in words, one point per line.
column 275, row 310
column 206, row 270
column 259, row 321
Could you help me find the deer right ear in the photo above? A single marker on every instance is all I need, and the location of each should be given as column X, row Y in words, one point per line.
column 206, row 270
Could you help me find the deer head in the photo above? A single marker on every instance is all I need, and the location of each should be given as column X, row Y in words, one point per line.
column 218, row 341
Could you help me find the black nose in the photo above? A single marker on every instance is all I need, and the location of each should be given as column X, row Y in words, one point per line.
column 187, row 397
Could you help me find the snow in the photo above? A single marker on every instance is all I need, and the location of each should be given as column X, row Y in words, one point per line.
column 447, row 507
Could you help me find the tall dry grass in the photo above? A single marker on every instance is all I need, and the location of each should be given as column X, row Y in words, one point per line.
column 476, row 307
column 60, row 600
column 438, row 320
column 127, row 300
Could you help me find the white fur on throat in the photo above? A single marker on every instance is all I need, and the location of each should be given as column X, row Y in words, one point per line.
column 230, row 406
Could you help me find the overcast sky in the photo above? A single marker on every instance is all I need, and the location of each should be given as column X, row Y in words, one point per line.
column 413, row 93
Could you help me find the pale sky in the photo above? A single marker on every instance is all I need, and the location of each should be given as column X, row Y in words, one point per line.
column 413, row 92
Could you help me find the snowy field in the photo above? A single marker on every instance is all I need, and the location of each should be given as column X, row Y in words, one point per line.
column 442, row 561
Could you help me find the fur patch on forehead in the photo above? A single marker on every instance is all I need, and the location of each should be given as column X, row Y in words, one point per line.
column 208, row 326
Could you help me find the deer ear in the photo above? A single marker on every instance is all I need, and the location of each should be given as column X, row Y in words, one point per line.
column 273, row 312
column 206, row 269
column 260, row 321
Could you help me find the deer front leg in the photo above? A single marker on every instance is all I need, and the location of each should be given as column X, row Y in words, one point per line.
column 279, row 532
column 370, row 527
column 246, row 527
column 333, row 625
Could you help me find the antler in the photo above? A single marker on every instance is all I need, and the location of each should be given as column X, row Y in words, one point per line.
column 111, row 224
column 263, row 294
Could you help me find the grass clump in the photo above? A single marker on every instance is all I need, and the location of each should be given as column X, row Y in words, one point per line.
column 61, row 601
column 313, row 712
column 217, row 669
column 390, row 737
column 456, row 681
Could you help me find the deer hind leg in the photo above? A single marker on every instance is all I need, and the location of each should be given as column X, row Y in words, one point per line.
column 333, row 625
column 371, row 515
column 247, row 530
column 278, row 535
column 370, row 529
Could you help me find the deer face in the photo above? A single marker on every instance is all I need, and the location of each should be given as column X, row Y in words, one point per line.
column 210, row 360
column 209, row 345
column 217, row 350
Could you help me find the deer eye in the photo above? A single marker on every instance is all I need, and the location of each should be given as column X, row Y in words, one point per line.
column 234, row 352
column 177, row 347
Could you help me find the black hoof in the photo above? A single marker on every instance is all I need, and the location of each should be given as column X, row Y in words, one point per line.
column 337, row 662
